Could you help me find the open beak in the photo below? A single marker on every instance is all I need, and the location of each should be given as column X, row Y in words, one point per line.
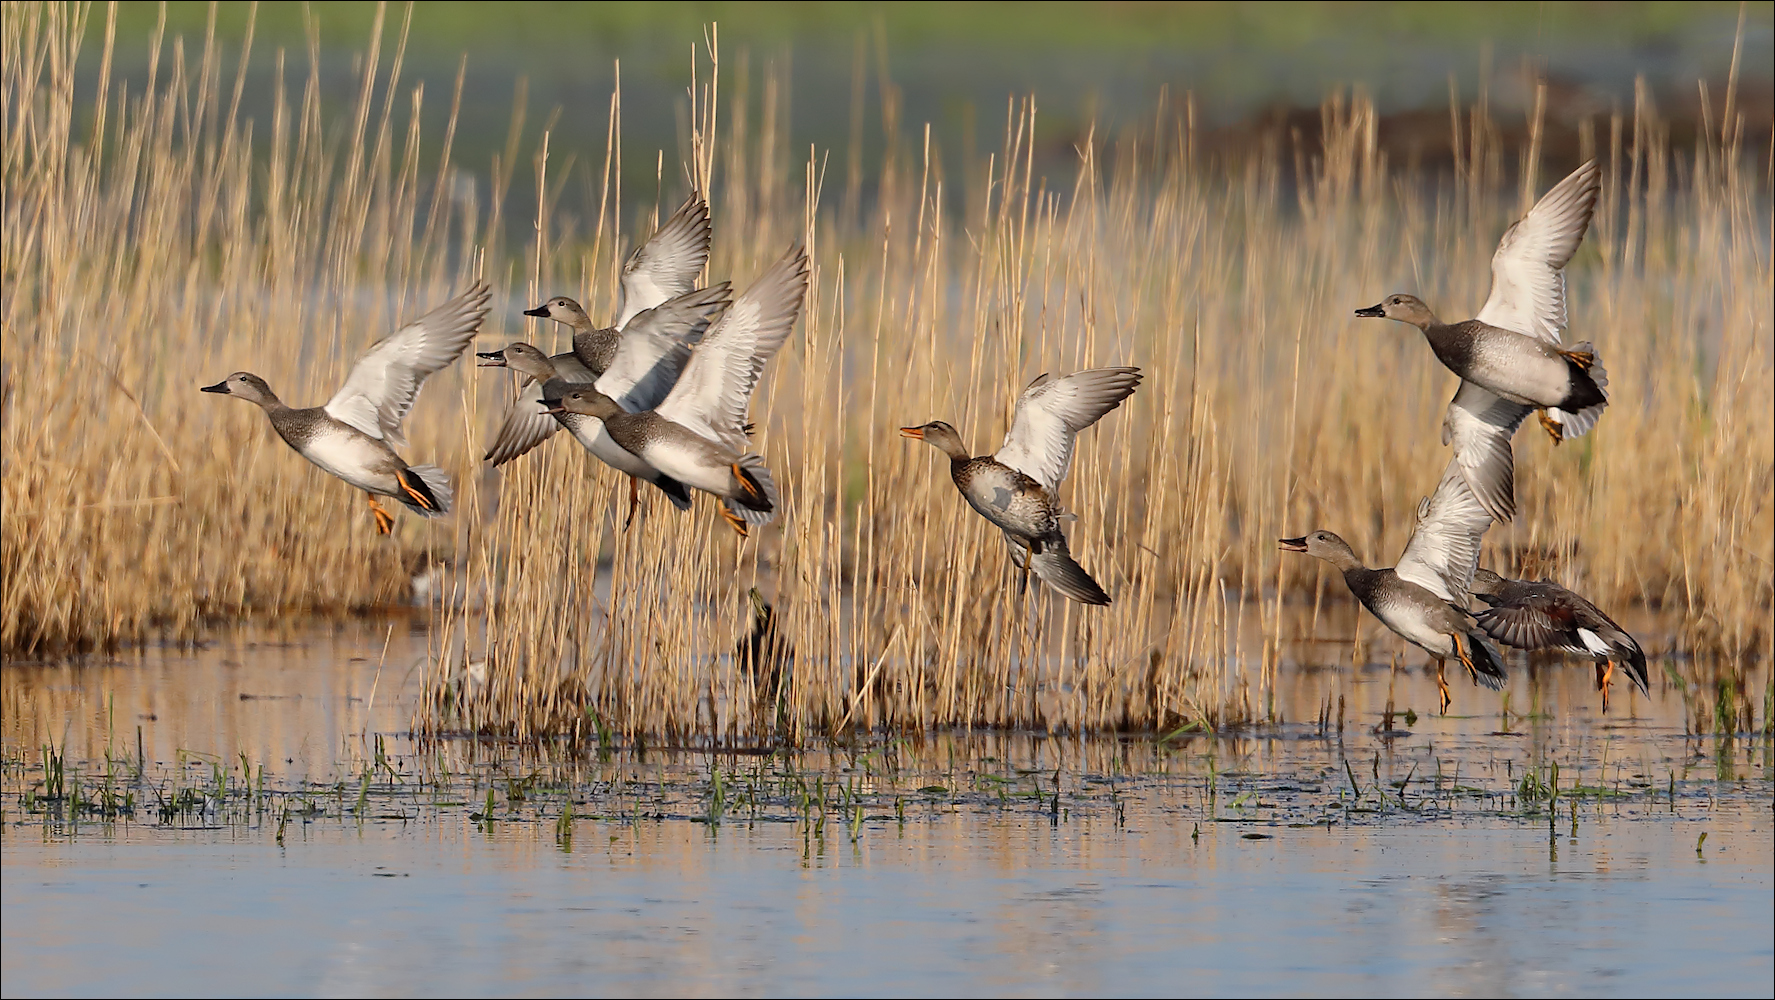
column 912, row 432
column 540, row 312
column 221, row 387
column 490, row 359
column 1377, row 311
column 1293, row 544
column 553, row 406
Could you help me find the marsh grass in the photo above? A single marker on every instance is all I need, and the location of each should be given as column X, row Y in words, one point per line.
column 156, row 240
column 843, row 795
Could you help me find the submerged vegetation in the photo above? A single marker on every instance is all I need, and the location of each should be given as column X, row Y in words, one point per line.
column 846, row 794
column 155, row 241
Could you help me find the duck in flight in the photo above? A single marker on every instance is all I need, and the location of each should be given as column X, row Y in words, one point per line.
column 1423, row 597
column 1510, row 357
column 1018, row 488
column 698, row 433
column 354, row 435
column 1544, row 615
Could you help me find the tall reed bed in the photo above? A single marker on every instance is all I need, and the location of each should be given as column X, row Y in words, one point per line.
column 155, row 242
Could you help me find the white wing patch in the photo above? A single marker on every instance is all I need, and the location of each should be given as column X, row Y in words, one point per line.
column 1528, row 269
column 1050, row 414
column 1480, row 424
column 712, row 394
column 1444, row 547
column 656, row 344
column 667, row 265
column 381, row 387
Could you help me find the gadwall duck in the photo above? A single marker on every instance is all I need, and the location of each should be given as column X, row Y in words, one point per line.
column 1509, row 357
column 1423, row 597
column 354, row 434
column 697, row 434
column 1545, row 615
column 651, row 352
column 1018, row 489
column 550, row 376
column 660, row 270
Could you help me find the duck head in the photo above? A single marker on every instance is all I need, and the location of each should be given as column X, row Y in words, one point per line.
column 939, row 435
column 1404, row 308
column 246, row 385
column 584, row 400
column 564, row 310
column 1485, row 582
column 1322, row 545
column 521, row 357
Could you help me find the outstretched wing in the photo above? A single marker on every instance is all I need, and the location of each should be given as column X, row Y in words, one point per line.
column 1527, row 271
column 712, row 393
column 654, row 346
column 1526, row 626
column 667, row 265
column 1480, row 424
column 526, row 423
column 1050, row 414
column 380, row 390
column 1444, row 547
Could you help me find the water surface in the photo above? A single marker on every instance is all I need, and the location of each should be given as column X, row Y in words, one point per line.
column 344, row 858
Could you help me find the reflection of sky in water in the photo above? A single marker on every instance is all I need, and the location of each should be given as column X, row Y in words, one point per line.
column 1009, row 906
column 977, row 897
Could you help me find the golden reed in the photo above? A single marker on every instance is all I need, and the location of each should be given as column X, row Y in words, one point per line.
column 156, row 239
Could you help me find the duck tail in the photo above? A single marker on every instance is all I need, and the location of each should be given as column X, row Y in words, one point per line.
column 1589, row 396
column 674, row 490
column 756, row 477
column 425, row 489
column 1054, row 566
column 1488, row 668
column 1636, row 666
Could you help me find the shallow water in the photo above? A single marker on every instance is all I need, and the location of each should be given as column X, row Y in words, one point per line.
column 1291, row 861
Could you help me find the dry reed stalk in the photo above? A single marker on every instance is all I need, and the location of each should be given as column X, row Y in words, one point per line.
column 1268, row 409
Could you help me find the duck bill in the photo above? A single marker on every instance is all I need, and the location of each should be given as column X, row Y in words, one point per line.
column 1292, row 544
column 540, row 312
column 490, row 359
column 916, row 433
column 1376, row 311
column 553, row 406
column 221, row 387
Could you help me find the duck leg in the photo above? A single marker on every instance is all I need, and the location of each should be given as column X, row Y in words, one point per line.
column 1604, row 672
column 384, row 520
column 1551, row 426
column 634, row 501
column 749, row 486
column 735, row 521
column 1583, row 359
column 1442, row 687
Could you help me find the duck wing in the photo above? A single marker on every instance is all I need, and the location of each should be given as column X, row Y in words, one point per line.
column 1529, row 624
column 711, row 395
column 1480, row 425
column 526, row 423
column 655, row 345
column 667, row 265
column 1050, row 414
column 380, row 390
column 1528, row 269
column 1444, row 547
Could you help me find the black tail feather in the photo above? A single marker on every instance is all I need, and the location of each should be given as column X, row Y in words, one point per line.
column 417, row 493
column 674, row 490
column 1488, row 669
column 1636, row 669
column 754, row 496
